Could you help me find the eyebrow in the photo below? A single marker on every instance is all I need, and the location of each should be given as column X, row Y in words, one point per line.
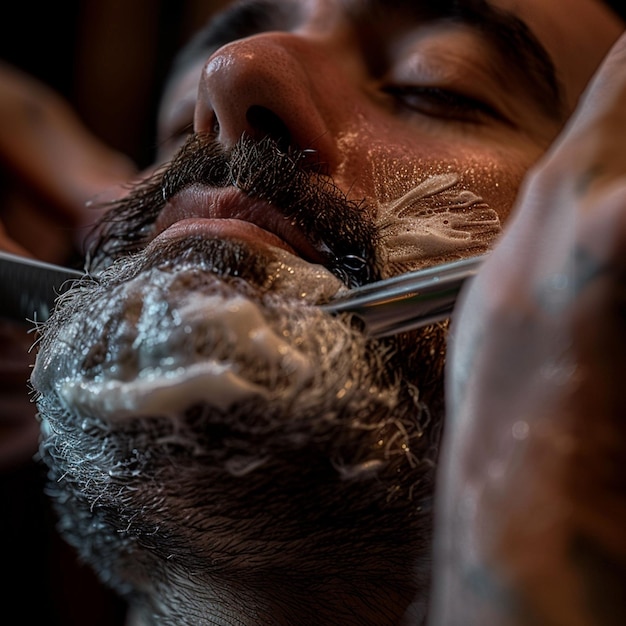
column 516, row 47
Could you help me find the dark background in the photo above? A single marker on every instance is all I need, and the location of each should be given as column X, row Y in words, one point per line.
column 108, row 58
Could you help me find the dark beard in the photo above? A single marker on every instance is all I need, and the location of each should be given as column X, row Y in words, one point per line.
column 324, row 471
column 340, row 226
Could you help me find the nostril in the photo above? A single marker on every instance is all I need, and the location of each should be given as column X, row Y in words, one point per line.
column 265, row 123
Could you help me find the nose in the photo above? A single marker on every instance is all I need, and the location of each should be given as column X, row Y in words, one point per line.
column 268, row 85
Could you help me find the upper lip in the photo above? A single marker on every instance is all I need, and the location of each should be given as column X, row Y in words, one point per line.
column 198, row 201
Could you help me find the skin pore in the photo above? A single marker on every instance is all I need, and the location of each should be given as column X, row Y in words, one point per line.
column 220, row 450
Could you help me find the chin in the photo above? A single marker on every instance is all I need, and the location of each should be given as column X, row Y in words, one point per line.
column 204, row 421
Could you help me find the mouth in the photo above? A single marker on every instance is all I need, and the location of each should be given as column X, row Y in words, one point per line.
column 227, row 213
column 207, row 292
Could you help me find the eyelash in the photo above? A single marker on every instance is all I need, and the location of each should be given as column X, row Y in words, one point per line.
column 441, row 103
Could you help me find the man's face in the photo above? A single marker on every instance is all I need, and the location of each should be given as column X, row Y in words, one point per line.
column 205, row 417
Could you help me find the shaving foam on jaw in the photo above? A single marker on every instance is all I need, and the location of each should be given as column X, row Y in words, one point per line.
column 167, row 385
column 167, row 342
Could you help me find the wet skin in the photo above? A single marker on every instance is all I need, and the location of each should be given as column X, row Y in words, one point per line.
column 209, row 423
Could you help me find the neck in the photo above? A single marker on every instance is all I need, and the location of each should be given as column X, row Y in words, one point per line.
column 333, row 600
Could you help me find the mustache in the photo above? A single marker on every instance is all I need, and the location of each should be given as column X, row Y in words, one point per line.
column 342, row 228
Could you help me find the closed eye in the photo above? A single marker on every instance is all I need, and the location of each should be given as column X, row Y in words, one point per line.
column 441, row 103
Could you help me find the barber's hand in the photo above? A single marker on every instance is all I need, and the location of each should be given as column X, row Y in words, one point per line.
column 51, row 167
column 532, row 511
